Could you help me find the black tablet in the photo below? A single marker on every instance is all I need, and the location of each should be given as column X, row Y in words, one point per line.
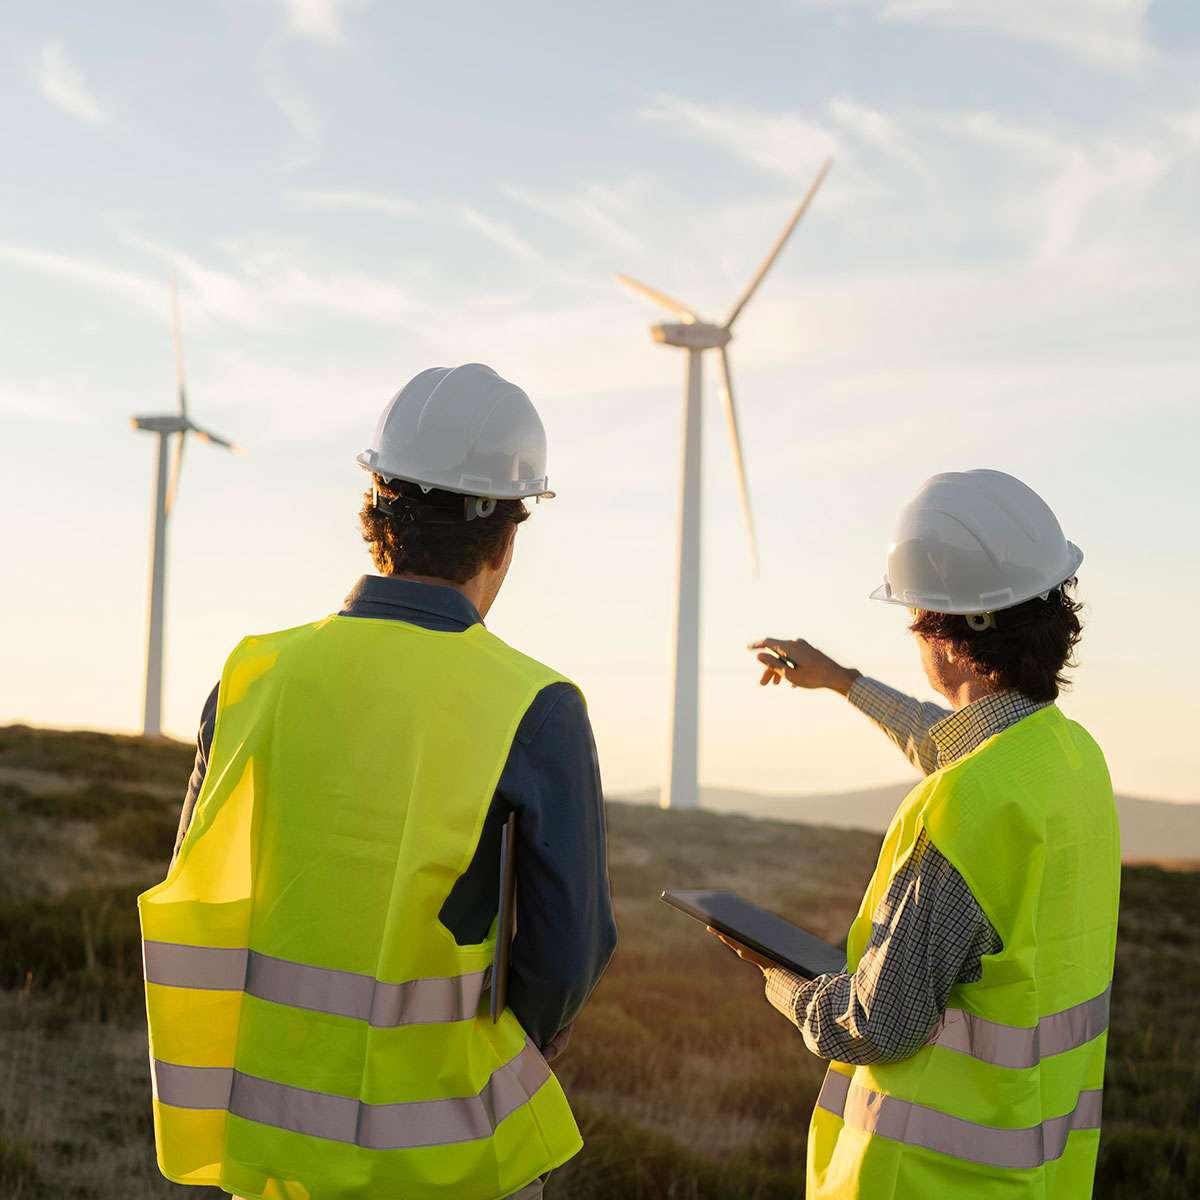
column 506, row 919
column 766, row 932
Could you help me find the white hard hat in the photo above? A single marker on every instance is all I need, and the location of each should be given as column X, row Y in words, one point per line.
column 462, row 429
column 975, row 542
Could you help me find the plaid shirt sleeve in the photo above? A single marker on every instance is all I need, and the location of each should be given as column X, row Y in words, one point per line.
column 928, row 934
column 904, row 719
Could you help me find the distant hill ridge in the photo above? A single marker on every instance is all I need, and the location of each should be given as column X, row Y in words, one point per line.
column 1151, row 830
column 42, row 761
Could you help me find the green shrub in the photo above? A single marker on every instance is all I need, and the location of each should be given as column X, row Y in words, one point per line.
column 146, row 834
column 1139, row 1160
column 90, row 803
column 19, row 1175
column 84, row 951
column 624, row 1161
column 771, row 1095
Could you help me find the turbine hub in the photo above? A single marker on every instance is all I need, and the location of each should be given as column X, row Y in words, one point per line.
column 695, row 335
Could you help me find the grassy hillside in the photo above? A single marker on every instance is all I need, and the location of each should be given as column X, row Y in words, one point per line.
column 687, row 1084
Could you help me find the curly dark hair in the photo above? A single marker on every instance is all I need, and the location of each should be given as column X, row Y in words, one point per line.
column 435, row 540
column 1028, row 650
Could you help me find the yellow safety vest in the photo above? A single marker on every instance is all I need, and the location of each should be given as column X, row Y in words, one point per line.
column 1004, row 1100
column 316, row 1033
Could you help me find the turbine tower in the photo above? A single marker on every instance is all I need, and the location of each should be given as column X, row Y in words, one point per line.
column 680, row 788
column 166, row 426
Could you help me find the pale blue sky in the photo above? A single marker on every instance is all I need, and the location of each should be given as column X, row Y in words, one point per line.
column 1002, row 271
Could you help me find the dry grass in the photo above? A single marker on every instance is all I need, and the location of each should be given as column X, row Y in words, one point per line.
column 687, row 1085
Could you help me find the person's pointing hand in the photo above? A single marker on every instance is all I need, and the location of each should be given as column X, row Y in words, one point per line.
column 806, row 666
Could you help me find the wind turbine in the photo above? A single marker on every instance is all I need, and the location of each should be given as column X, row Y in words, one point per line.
column 166, row 426
column 680, row 787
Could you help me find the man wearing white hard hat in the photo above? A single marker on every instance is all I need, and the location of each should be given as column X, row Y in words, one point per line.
column 322, row 967
column 966, row 1037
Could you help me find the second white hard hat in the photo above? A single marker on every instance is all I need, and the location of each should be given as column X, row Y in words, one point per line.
column 975, row 542
column 462, row 429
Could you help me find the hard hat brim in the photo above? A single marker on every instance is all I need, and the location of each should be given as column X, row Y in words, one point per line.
column 523, row 489
column 939, row 604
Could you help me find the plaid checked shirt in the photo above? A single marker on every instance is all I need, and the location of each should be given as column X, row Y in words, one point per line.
column 928, row 932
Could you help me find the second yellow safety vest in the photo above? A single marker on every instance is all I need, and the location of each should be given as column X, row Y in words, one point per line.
column 316, row 1033
column 1004, row 1101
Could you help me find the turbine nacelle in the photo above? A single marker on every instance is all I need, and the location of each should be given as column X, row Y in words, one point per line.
column 692, row 335
column 168, row 423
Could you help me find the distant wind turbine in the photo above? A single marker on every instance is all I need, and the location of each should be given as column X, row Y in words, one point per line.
column 680, row 787
column 166, row 426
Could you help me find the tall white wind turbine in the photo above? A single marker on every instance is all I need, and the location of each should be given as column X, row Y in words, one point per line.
column 680, row 788
column 166, row 426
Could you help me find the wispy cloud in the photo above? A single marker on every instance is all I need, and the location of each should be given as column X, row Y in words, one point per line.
column 342, row 201
column 785, row 143
column 595, row 210
column 354, row 295
column 62, row 83
column 1063, row 189
column 261, row 289
column 145, row 293
column 1094, row 180
column 1109, row 34
column 1186, row 125
column 46, row 399
column 321, row 20
column 306, row 124
column 499, row 233
column 215, row 292
column 878, row 130
column 266, row 288
column 1106, row 184
column 1029, row 141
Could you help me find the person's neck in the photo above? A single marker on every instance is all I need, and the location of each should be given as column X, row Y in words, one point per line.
column 967, row 692
column 475, row 589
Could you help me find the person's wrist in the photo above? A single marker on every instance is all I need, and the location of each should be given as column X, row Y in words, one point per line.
column 842, row 679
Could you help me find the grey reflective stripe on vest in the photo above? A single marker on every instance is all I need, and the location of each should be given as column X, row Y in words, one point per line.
column 403, row 1126
column 918, row 1125
column 1015, row 1046
column 339, row 993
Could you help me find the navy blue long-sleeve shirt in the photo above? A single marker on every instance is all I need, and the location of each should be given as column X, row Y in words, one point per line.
column 565, row 933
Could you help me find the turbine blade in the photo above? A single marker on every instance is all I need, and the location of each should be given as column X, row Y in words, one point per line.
column 206, row 435
column 769, row 261
column 659, row 298
column 176, row 468
column 177, row 333
column 739, row 462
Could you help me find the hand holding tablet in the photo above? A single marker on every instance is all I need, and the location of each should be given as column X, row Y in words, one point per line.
column 763, row 963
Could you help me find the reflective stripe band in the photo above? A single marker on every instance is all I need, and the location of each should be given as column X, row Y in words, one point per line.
column 1014, row 1046
column 192, row 1087
column 339, row 993
column 918, row 1125
column 404, row 1126
column 194, row 966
